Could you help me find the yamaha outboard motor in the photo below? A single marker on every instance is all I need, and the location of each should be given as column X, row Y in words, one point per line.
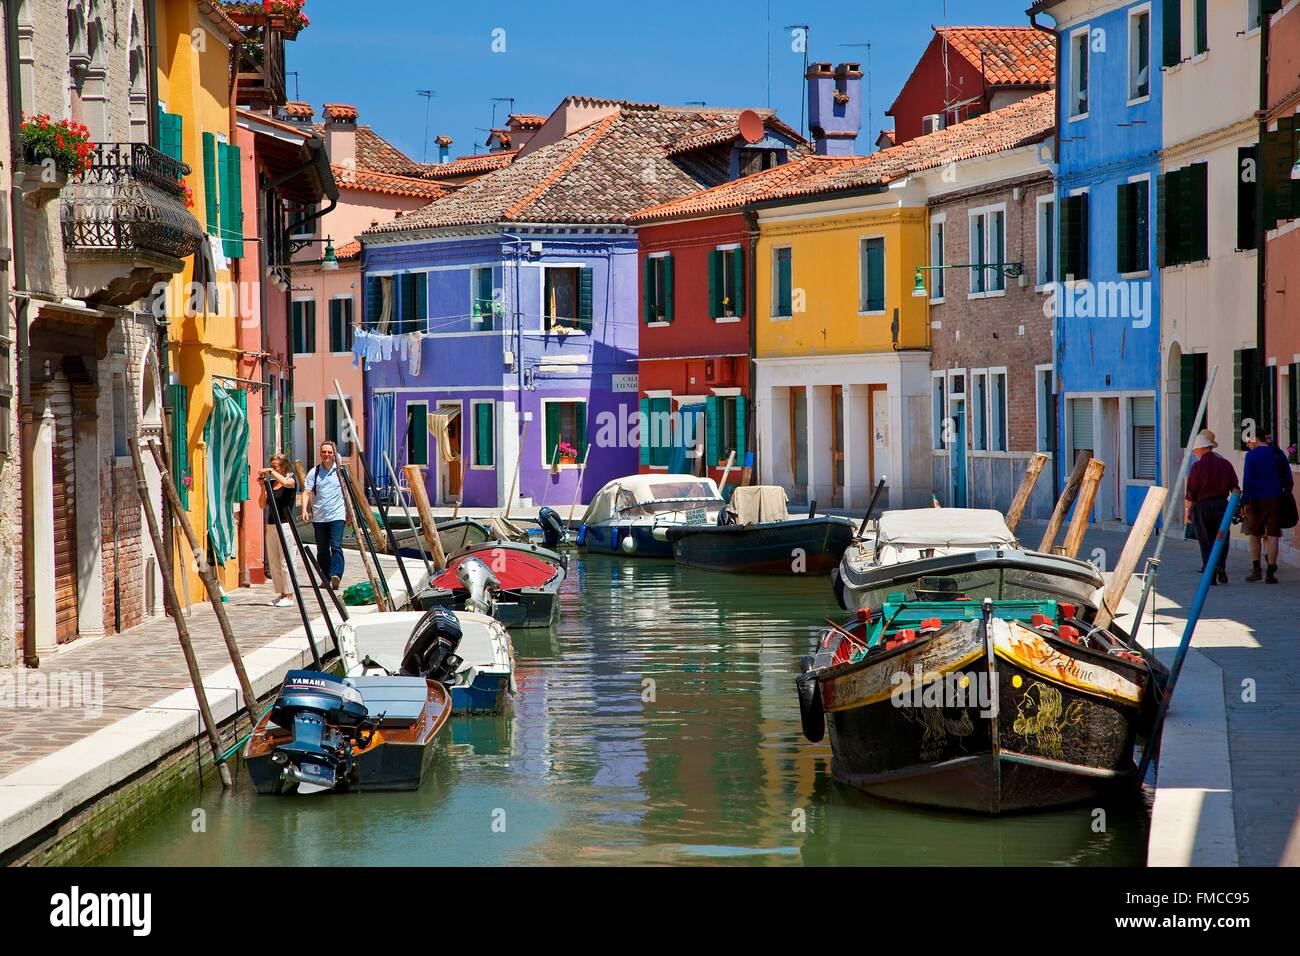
column 552, row 528
column 431, row 650
column 325, row 714
column 481, row 583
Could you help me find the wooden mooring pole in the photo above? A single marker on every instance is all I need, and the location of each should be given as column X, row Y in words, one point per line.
column 1026, row 489
column 428, row 526
column 1063, row 503
column 1083, row 507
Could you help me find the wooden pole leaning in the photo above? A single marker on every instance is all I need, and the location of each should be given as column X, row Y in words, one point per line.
column 1026, row 489
column 1129, row 557
column 1063, row 503
column 519, row 461
column 209, row 578
column 1083, row 507
column 182, row 629
column 382, row 600
column 428, row 527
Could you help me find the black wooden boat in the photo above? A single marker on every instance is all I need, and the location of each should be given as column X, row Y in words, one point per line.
column 977, row 682
column 797, row 546
column 516, row 583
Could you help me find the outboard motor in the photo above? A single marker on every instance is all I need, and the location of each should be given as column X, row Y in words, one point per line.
column 552, row 528
column 325, row 714
column 481, row 583
column 431, row 650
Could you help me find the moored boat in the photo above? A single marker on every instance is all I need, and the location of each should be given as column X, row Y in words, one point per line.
column 521, row 583
column 632, row 515
column 760, row 537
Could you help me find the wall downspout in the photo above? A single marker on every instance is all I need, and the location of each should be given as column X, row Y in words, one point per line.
column 1261, row 236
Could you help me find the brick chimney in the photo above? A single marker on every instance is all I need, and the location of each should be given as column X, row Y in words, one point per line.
column 341, row 134
column 834, row 107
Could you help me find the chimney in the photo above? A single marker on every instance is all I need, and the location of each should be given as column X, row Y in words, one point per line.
column 522, row 126
column 341, row 134
column 444, row 143
column 296, row 111
column 834, row 107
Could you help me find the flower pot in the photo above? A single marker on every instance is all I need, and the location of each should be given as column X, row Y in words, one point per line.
column 568, row 460
column 42, row 180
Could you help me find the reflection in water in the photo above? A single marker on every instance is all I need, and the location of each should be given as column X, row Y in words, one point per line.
column 655, row 723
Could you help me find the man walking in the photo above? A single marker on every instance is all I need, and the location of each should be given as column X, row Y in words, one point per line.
column 1209, row 483
column 322, row 496
column 1265, row 478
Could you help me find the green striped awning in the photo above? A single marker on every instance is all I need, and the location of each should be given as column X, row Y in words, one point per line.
column 227, row 461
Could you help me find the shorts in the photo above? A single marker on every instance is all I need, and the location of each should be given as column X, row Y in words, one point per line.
column 1262, row 518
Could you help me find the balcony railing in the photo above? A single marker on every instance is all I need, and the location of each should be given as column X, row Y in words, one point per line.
column 130, row 199
column 261, row 58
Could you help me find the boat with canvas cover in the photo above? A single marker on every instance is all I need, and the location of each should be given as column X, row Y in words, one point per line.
column 977, row 680
column 632, row 515
column 757, row 536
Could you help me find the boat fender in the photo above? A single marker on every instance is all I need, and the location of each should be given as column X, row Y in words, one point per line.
column 1069, row 633
column 628, row 544
column 931, row 624
column 1068, row 611
column 1042, row 620
column 900, row 638
column 582, row 536
column 812, row 716
column 837, row 587
column 1131, row 658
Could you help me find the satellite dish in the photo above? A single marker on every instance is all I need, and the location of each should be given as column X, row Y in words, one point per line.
column 751, row 126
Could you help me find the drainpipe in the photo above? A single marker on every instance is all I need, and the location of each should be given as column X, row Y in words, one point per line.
column 21, row 306
column 1261, row 233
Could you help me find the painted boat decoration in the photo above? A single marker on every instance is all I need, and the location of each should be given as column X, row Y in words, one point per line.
column 632, row 515
column 516, row 583
column 760, row 537
column 483, row 680
column 975, row 681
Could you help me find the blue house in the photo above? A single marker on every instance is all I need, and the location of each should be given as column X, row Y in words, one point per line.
column 1106, row 298
column 509, row 309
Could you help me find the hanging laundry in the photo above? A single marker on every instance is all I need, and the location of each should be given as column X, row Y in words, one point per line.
column 360, row 341
column 385, row 347
column 374, row 346
column 417, row 351
column 402, row 343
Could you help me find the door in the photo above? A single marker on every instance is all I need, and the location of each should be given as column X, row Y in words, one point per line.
column 957, row 451
column 837, row 444
column 799, row 443
column 65, row 512
column 451, row 472
column 1108, row 506
column 878, row 396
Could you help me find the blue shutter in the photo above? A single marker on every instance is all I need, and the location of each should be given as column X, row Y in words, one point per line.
column 712, row 433
column 741, row 445
column 645, row 431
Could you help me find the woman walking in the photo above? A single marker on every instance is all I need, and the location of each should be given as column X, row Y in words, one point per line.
column 283, row 488
column 322, row 504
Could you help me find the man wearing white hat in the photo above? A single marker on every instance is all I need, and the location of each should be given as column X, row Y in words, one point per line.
column 1209, row 483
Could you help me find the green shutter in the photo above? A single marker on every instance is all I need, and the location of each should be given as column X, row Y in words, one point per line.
column 1141, row 195
column 648, row 290
column 1124, row 225
column 211, row 181
column 738, row 275
column 712, row 433
column 180, row 442
column 715, row 283
column 1246, row 196
column 580, row 414
column 1237, row 375
column 669, row 290
column 1182, row 200
column 484, row 443
column 1188, row 400
column 1081, row 252
column 1202, row 39
column 241, row 399
column 875, row 275
column 785, row 281
column 374, row 302
column 421, row 302
column 552, row 424
column 1065, row 238
column 1163, row 248
column 1269, row 7
column 1172, row 24
column 584, row 302
column 232, row 200
column 286, row 420
column 741, row 445
column 645, row 431
column 170, row 140
column 485, row 304
column 1198, row 186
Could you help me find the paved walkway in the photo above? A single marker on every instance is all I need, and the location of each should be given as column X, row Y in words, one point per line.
column 1251, row 632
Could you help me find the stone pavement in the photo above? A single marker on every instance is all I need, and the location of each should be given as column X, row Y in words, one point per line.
column 1252, row 632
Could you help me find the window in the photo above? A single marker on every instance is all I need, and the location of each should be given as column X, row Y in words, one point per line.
column 988, row 235
column 1080, row 427
column 1192, row 374
column 336, row 427
column 1200, row 27
column 997, row 411
column 485, row 446
column 1172, row 32
column 379, row 303
column 1046, row 408
column 304, row 326
column 566, row 298
column 169, row 135
column 756, row 160
column 417, row 433
column 1046, row 239
column 120, row 448
column 979, row 411
column 230, row 198
column 1139, row 55
column 1079, row 74
column 1252, row 15
column 726, row 283
column 412, row 303
column 936, row 411
column 724, row 429
column 871, row 274
column 341, row 324
column 566, row 421
column 1292, row 431
column 781, row 283
column 1182, row 201
column 658, row 291
column 936, row 259
column 300, row 221
column 482, row 308
column 304, row 431
column 1247, row 183
column 1132, row 252
column 656, row 431
column 1245, row 394
column 1142, row 417
column 1074, row 237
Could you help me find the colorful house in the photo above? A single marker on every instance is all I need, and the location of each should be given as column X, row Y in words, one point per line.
column 513, row 304
column 696, row 267
column 1107, row 299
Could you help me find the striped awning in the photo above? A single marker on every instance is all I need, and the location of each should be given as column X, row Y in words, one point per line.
column 227, row 459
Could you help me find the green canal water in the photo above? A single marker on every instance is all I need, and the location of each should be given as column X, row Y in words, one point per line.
column 655, row 724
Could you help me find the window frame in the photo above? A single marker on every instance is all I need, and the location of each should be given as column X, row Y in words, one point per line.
column 995, row 373
column 727, row 275
column 406, row 440
column 476, row 322
column 776, row 283
column 661, row 286
column 863, row 241
column 1143, row 271
column 543, row 451
column 347, row 327
column 1046, row 250
column 1130, row 475
column 310, row 326
column 1044, row 420
column 938, row 410
column 1134, row 14
column 473, row 434
column 938, row 257
column 546, row 324
column 986, row 215
column 341, row 444
column 1084, row 32
column 977, row 404
column 1200, row 22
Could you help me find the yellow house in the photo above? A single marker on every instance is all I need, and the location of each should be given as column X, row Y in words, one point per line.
column 195, row 123
column 841, row 343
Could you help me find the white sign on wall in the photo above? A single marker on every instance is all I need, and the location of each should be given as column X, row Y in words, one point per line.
column 624, row 382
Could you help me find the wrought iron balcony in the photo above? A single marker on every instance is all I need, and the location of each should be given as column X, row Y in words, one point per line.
column 125, row 223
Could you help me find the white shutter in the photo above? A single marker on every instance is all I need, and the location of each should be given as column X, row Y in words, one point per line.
column 1081, row 424
column 1143, row 412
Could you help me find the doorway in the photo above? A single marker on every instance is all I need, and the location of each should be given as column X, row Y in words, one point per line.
column 451, row 472
column 837, row 445
column 799, row 444
column 957, row 451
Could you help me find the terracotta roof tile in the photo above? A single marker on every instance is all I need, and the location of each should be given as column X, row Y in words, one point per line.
column 345, row 112
column 299, row 110
column 371, row 181
column 728, row 133
column 1012, row 56
column 525, row 120
column 349, row 250
column 378, row 155
column 469, row 165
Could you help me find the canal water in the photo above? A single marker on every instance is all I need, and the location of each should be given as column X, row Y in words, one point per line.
column 655, row 724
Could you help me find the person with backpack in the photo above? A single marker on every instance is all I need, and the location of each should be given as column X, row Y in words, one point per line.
column 322, row 505
column 1267, row 497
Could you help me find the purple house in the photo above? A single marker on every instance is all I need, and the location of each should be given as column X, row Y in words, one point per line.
column 509, row 309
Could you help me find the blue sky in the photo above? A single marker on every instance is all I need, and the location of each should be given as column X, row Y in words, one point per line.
column 377, row 54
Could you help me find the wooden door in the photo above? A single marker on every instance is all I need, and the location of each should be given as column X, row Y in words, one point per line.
column 65, row 512
column 837, row 444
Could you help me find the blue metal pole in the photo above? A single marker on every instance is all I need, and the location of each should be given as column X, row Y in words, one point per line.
column 1193, row 615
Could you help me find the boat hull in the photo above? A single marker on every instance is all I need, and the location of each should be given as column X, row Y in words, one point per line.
column 610, row 538
column 945, row 723
column 807, row 546
column 487, row 694
column 519, row 609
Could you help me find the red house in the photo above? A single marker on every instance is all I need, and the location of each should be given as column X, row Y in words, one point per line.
column 968, row 71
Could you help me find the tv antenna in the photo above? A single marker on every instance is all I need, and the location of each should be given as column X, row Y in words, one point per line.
column 428, row 101
column 804, row 75
column 294, row 74
column 501, row 99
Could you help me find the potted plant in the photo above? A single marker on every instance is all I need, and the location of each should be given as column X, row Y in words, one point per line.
column 54, row 151
column 568, row 454
column 727, row 310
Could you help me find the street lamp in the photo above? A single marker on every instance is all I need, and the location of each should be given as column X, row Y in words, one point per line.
column 1009, row 269
column 330, row 261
